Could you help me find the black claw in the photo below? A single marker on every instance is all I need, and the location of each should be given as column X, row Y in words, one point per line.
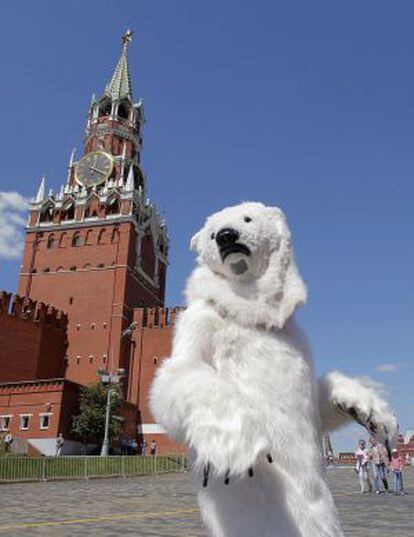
column 372, row 426
column 250, row 472
column 226, row 477
column 354, row 414
column 269, row 458
column 206, row 472
column 387, row 447
column 351, row 412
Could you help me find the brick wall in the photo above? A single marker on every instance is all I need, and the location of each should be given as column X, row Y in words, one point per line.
column 32, row 340
column 88, row 273
column 151, row 342
column 55, row 398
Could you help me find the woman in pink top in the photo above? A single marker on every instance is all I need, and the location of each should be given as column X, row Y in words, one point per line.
column 397, row 465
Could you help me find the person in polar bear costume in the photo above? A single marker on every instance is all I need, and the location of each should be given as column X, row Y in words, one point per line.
column 240, row 390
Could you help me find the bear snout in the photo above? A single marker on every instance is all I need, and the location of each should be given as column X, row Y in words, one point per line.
column 226, row 240
column 226, row 237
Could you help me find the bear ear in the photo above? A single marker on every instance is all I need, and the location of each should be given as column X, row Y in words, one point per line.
column 276, row 214
column 194, row 243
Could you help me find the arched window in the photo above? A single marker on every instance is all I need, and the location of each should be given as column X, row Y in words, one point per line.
column 123, row 111
column 76, row 239
column 91, row 212
column 68, row 212
column 113, row 206
column 105, row 108
column 101, row 236
column 92, row 207
column 62, row 240
column 88, row 237
column 47, row 214
column 115, row 236
column 51, row 241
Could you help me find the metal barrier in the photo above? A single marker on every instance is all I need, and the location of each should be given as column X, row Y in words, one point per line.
column 14, row 469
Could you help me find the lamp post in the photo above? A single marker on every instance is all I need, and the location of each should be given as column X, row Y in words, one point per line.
column 110, row 379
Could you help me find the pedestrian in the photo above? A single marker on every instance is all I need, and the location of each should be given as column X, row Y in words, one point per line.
column 362, row 467
column 153, row 447
column 8, row 441
column 143, row 447
column 397, row 465
column 59, row 444
column 133, row 446
column 379, row 458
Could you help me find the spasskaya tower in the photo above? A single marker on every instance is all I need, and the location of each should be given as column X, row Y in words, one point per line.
column 98, row 248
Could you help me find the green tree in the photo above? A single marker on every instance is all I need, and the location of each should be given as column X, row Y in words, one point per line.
column 89, row 424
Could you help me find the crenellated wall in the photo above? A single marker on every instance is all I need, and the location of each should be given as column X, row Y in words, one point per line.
column 150, row 343
column 33, row 339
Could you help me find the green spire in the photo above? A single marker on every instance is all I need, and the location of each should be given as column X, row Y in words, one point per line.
column 120, row 84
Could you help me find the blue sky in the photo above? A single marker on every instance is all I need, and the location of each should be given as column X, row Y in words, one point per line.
column 304, row 105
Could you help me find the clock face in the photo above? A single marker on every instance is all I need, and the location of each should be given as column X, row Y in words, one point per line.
column 94, row 168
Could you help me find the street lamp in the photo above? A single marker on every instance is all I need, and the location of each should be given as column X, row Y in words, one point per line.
column 111, row 379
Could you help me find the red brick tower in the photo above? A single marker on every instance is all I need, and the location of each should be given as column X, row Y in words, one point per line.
column 98, row 248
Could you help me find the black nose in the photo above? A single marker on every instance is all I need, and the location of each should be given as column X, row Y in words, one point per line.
column 226, row 237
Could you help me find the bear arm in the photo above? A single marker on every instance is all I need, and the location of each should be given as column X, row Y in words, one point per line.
column 190, row 349
column 200, row 408
column 343, row 399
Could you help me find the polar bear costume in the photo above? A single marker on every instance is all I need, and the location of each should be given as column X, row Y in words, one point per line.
column 239, row 389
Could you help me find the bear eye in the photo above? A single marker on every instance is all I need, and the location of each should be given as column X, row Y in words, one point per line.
column 212, row 236
column 247, row 219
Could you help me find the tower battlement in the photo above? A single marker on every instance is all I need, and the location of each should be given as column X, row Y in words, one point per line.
column 156, row 317
column 20, row 307
column 33, row 339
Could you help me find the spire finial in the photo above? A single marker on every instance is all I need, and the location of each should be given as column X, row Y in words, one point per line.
column 130, row 183
column 120, row 84
column 40, row 196
column 71, row 162
column 127, row 37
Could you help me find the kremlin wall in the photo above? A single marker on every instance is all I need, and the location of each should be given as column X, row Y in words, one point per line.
column 37, row 400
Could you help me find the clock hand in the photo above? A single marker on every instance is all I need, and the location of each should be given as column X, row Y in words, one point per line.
column 97, row 170
column 92, row 166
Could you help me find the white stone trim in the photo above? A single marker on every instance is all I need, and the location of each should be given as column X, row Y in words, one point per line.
column 21, row 428
column 151, row 428
column 2, row 428
column 41, row 415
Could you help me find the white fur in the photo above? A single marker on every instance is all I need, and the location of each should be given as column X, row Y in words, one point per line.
column 240, row 384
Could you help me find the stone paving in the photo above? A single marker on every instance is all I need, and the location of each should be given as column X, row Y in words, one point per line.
column 165, row 505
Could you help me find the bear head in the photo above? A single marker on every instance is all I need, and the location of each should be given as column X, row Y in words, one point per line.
column 246, row 265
